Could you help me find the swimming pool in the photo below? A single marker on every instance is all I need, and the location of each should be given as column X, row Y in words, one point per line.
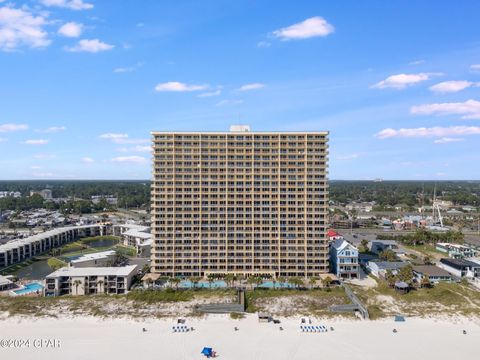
column 28, row 289
column 277, row 285
column 187, row 284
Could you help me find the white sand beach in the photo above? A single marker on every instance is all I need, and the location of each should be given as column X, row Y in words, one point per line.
column 94, row 338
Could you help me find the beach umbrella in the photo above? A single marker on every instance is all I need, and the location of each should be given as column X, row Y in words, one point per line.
column 207, row 351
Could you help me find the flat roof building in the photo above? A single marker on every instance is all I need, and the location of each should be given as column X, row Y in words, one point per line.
column 240, row 202
column 90, row 280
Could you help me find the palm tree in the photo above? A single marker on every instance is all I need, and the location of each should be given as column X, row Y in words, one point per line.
column 230, row 279
column 425, row 282
column 327, row 281
column 100, row 284
column 210, row 279
column 77, row 283
column 252, row 281
column 312, row 281
column 195, row 280
column 175, row 281
column 282, row 280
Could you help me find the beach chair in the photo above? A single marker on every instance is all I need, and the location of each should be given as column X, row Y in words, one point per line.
column 318, row 328
column 174, row 329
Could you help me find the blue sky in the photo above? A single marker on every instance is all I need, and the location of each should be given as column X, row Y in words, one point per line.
column 83, row 82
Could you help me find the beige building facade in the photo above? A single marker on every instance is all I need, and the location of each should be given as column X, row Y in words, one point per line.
column 241, row 202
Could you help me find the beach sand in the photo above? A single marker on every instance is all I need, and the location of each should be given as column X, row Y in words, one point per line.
column 94, row 338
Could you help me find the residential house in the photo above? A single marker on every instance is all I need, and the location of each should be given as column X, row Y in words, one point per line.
column 379, row 268
column 344, row 259
column 432, row 272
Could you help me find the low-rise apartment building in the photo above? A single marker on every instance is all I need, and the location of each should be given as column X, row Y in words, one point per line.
column 461, row 267
column 16, row 251
column 90, row 280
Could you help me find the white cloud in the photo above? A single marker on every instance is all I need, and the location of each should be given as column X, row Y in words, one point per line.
column 253, row 86
column 42, row 174
column 429, row 132
column 417, row 62
column 19, row 27
column 91, row 46
column 176, row 86
column 87, row 160
column 446, row 140
column 12, row 127
column 348, row 156
column 312, row 27
column 52, row 129
column 44, row 156
column 113, row 136
column 35, row 167
column 401, row 81
column 130, row 159
column 35, row 142
column 122, row 139
column 475, row 68
column 210, row 94
column 71, row 29
column 263, row 44
column 452, row 86
column 3, row 140
column 229, row 102
column 128, row 69
column 68, row 4
column 469, row 109
column 137, row 148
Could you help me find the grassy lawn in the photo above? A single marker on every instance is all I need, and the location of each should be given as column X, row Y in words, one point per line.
column 427, row 249
column 125, row 250
column 171, row 295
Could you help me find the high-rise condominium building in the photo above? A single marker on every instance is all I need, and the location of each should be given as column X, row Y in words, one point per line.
column 239, row 202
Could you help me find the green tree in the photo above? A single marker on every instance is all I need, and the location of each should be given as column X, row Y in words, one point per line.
column 405, row 274
column 327, row 281
column 387, row 255
column 390, row 278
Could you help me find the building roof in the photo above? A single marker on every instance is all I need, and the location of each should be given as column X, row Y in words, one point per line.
column 459, row 263
column 136, row 233
column 93, row 271
column 388, row 265
column 94, row 256
column 332, row 233
column 430, row 270
column 4, row 281
column 137, row 227
column 341, row 244
column 28, row 240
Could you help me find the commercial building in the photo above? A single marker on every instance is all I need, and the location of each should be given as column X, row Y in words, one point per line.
column 86, row 281
column 240, row 202
column 344, row 259
column 46, row 194
column 16, row 251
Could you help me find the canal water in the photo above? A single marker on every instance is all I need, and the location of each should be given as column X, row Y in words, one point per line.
column 39, row 269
